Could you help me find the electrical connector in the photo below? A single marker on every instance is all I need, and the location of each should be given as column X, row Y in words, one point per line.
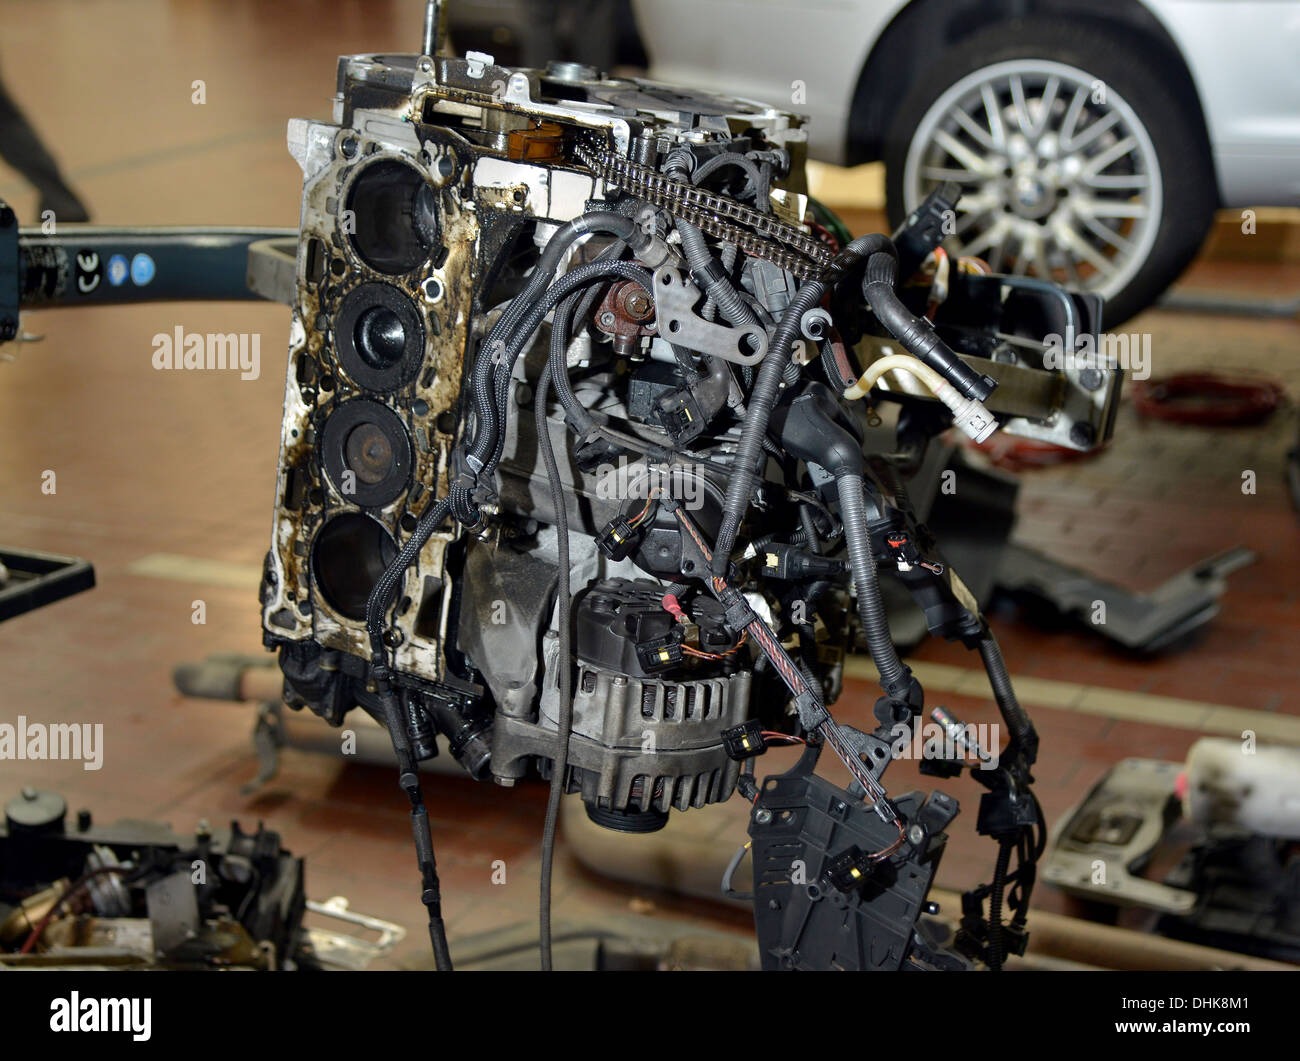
column 738, row 613
column 679, row 413
column 787, row 562
column 659, row 654
column 902, row 550
column 618, row 539
column 744, row 741
column 848, row 870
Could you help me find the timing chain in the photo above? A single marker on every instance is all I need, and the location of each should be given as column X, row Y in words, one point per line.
column 779, row 242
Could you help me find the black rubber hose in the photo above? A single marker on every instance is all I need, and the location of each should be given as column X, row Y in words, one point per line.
column 895, row 676
column 747, row 165
column 915, row 335
column 717, row 286
column 578, row 418
column 995, row 955
column 381, row 594
column 564, row 724
column 713, row 279
column 713, row 389
column 763, row 397
column 1015, row 716
column 809, row 525
column 605, row 222
column 485, row 445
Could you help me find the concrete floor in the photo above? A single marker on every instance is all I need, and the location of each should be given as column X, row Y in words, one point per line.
column 152, row 466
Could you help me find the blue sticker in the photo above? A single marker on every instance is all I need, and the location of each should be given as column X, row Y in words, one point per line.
column 117, row 270
column 142, row 269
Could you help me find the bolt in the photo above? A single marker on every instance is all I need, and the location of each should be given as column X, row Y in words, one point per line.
column 762, row 817
column 1082, row 435
column 916, row 835
column 1090, row 379
column 637, row 305
column 607, row 319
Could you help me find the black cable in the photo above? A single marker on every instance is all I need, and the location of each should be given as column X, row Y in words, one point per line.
column 895, row 675
column 564, row 723
column 730, row 872
column 766, row 390
column 1017, row 720
column 915, row 334
column 421, row 829
column 489, row 360
column 809, row 526
column 995, row 953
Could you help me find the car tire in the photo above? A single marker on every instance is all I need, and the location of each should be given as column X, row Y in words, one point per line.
column 1149, row 110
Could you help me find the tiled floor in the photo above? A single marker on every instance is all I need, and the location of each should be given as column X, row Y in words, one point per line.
column 151, row 463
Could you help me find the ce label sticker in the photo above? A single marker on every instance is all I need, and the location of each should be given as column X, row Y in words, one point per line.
column 88, row 271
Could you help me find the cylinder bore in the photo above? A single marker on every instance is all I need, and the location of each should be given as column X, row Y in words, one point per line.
column 349, row 554
column 379, row 337
column 367, row 452
column 394, row 216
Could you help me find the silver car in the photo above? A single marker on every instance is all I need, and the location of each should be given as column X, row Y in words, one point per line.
column 1093, row 141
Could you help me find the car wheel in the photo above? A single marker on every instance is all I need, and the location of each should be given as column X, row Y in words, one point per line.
column 1078, row 161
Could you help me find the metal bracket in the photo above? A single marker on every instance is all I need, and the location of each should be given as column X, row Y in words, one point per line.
column 675, row 299
column 343, row 950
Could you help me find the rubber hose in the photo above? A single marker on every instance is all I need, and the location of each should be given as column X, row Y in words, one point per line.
column 763, row 397
column 1004, row 693
column 762, row 400
column 571, row 281
column 704, row 268
column 604, row 222
column 895, row 677
column 996, row 956
column 381, row 594
column 809, row 526
column 915, row 335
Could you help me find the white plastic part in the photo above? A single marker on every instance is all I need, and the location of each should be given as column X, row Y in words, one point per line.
column 1234, row 782
column 969, row 414
column 889, row 363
